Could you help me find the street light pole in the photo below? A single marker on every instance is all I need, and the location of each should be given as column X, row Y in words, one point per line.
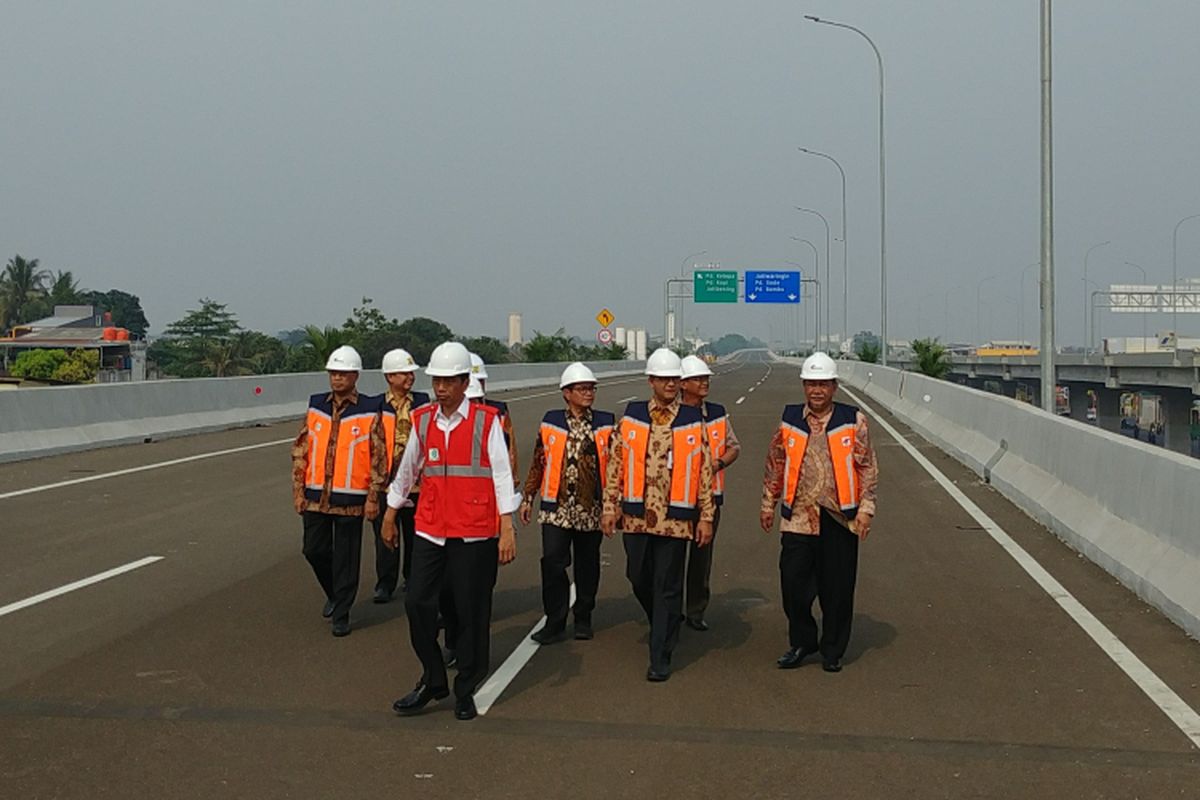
column 882, row 192
column 979, row 305
column 828, row 284
column 1087, row 337
column 1021, row 304
column 679, row 316
column 1047, row 152
column 1175, row 287
column 845, row 243
column 1144, row 280
column 817, row 273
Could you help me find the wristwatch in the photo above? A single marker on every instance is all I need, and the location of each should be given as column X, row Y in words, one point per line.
column 720, row 464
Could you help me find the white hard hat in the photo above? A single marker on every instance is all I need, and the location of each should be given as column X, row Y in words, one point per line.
column 695, row 367
column 449, row 359
column 398, row 360
column 474, row 388
column 344, row 359
column 576, row 373
column 663, row 363
column 819, row 367
column 478, row 368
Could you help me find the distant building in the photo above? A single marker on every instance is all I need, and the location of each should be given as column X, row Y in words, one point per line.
column 514, row 329
column 80, row 327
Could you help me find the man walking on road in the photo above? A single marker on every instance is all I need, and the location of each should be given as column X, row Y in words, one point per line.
column 725, row 450
column 567, row 474
column 457, row 451
column 821, row 465
column 339, row 468
column 399, row 370
column 658, row 491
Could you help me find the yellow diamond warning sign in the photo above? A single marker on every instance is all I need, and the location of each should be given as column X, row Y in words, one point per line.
column 605, row 318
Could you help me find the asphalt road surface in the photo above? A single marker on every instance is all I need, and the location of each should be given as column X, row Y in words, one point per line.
column 209, row 672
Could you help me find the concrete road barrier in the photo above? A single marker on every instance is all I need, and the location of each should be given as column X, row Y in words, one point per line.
column 1132, row 508
column 38, row 422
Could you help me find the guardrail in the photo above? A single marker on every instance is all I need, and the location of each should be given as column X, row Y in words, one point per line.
column 43, row 421
column 1130, row 507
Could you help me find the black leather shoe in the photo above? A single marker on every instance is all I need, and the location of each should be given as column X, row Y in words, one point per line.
column 464, row 708
column 583, row 631
column 697, row 624
column 450, row 657
column 327, row 611
column 654, row 676
column 382, row 595
column 544, row 635
column 832, row 665
column 794, row 657
column 341, row 627
column 418, row 698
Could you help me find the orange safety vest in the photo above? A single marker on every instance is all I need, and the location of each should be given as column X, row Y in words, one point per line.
column 840, row 433
column 684, row 461
column 351, row 478
column 716, row 425
column 553, row 434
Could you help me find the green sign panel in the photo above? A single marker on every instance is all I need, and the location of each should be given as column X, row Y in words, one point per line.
column 715, row 286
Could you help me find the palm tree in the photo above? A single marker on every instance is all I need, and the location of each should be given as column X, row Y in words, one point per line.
column 932, row 359
column 224, row 358
column 64, row 289
column 324, row 341
column 21, row 284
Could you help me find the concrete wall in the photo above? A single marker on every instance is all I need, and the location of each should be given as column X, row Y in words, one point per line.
column 1131, row 507
column 37, row 422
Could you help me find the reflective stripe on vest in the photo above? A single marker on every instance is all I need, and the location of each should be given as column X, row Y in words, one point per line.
column 717, row 427
column 840, row 435
column 458, row 497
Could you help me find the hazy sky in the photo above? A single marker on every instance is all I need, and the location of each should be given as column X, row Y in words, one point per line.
column 465, row 160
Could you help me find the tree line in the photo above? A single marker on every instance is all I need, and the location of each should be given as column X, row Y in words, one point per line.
column 29, row 293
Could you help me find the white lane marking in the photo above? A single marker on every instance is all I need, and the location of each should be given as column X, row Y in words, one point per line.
column 143, row 468
column 739, row 400
column 70, row 587
column 752, row 388
column 628, row 399
column 490, row 692
column 1171, row 704
column 602, row 384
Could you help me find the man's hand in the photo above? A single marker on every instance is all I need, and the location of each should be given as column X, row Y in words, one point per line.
column 766, row 520
column 524, row 512
column 704, row 533
column 608, row 524
column 298, row 503
column 862, row 525
column 508, row 540
column 388, row 532
column 371, row 511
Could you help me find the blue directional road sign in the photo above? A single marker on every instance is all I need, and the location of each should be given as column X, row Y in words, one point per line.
column 772, row 287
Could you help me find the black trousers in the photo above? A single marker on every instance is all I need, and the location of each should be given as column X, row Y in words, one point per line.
column 824, row 566
column 387, row 560
column 468, row 571
column 698, row 590
column 557, row 544
column 333, row 547
column 654, row 567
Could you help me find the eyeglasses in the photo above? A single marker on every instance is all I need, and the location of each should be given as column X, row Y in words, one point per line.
column 584, row 389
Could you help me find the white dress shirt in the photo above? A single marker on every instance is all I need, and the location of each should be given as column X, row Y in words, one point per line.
column 507, row 500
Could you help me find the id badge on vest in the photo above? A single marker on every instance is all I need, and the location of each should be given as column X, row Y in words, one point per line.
column 434, row 454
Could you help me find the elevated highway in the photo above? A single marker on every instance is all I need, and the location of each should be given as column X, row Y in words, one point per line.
column 209, row 671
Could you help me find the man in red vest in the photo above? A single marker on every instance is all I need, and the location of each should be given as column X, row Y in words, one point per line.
column 821, row 466
column 658, row 491
column 463, row 526
column 339, row 468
